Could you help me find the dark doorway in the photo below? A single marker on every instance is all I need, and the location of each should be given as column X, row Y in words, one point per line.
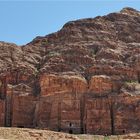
column 70, row 130
column 20, row 126
column 59, row 129
column 139, row 77
column 123, row 131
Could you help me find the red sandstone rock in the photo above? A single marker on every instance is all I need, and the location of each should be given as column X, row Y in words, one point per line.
column 82, row 79
column 54, row 84
column 101, row 85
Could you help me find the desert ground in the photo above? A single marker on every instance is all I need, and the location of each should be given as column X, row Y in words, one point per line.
column 35, row 134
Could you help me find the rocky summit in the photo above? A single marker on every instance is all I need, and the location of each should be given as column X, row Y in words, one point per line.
column 84, row 78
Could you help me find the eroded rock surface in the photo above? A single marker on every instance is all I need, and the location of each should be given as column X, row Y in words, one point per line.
column 84, row 78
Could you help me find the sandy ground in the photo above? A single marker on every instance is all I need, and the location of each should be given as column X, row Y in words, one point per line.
column 35, row 134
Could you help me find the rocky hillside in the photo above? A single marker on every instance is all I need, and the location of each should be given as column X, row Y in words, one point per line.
column 84, row 78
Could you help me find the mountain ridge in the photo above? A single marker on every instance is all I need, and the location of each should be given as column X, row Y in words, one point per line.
column 85, row 78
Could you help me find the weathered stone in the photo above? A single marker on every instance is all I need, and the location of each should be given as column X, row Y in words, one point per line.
column 84, row 78
column 20, row 106
column 2, row 112
column 54, row 84
column 101, row 85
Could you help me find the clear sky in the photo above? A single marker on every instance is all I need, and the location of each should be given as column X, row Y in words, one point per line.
column 23, row 20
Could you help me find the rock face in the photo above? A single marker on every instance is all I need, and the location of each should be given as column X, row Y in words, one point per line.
column 84, row 78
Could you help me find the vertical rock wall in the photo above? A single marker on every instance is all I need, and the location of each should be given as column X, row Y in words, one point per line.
column 70, row 104
column 2, row 113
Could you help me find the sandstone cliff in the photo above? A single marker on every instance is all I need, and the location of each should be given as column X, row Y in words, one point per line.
column 84, row 78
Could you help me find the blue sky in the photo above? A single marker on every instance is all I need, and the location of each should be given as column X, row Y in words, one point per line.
column 23, row 20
